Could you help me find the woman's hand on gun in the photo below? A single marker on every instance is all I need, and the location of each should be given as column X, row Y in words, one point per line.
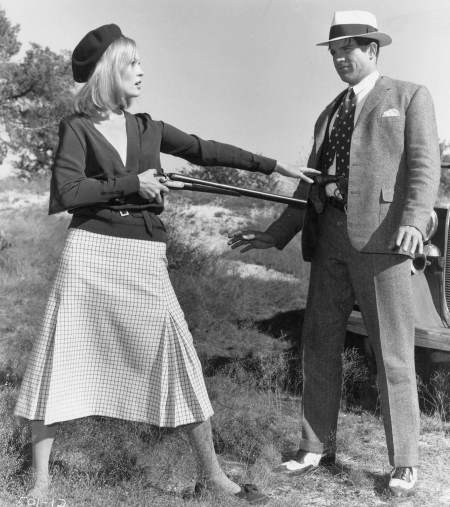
column 150, row 186
column 293, row 171
column 250, row 239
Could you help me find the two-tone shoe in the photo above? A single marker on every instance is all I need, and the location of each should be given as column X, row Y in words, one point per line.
column 305, row 462
column 403, row 481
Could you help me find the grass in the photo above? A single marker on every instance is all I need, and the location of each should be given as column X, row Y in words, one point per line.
column 102, row 462
column 36, row 185
column 435, row 395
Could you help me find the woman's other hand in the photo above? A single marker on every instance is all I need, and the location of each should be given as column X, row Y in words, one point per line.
column 293, row 171
column 150, row 187
column 250, row 239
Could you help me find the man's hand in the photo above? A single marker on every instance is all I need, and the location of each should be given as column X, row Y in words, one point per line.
column 250, row 239
column 150, row 186
column 408, row 240
column 296, row 172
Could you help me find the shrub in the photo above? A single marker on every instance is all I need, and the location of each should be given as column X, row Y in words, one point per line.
column 187, row 258
column 434, row 395
column 271, row 372
column 355, row 376
column 444, row 189
column 246, row 419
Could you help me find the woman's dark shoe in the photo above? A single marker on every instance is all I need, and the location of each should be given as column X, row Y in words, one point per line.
column 194, row 493
column 252, row 495
column 249, row 493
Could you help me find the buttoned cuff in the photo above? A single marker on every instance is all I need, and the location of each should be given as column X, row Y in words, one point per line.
column 128, row 184
column 266, row 165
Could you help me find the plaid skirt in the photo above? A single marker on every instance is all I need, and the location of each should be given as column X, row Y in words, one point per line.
column 114, row 341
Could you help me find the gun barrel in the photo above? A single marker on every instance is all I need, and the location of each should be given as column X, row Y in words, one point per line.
column 196, row 187
column 232, row 190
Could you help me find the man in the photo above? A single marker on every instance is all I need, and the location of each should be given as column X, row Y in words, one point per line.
column 378, row 140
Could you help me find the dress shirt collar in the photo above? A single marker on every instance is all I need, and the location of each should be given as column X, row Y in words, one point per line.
column 365, row 85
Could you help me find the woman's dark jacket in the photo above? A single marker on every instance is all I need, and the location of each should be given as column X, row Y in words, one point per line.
column 90, row 180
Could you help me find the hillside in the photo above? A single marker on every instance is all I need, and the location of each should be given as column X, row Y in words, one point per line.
column 253, row 378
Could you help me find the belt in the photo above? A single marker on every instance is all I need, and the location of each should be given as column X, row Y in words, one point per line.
column 339, row 204
column 145, row 215
column 107, row 214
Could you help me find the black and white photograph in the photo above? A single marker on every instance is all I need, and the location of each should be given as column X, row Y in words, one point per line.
column 225, row 253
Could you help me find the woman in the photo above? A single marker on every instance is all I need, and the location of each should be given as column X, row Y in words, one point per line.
column 114, row 340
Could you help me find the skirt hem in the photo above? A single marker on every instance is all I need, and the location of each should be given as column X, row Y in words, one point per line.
column 94, row 413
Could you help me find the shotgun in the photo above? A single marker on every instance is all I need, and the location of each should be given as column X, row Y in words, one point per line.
column 198, row 185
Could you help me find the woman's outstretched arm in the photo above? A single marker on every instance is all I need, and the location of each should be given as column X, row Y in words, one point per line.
column 213, row 153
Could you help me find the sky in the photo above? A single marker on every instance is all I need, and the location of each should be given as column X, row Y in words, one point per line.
column 247, row 72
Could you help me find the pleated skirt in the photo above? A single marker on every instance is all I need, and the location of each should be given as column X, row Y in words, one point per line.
column 114, row 341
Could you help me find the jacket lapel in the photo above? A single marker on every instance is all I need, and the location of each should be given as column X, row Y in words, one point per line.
column 133, row 142
column 373, row 98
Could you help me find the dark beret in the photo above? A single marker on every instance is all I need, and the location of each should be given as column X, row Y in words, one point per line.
column 90, row 49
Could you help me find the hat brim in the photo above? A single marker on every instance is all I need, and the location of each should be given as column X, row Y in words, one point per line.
column 383, row 38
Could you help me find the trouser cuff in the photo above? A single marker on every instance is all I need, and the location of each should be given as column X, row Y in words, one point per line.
column 310, row 446
column 404, row 460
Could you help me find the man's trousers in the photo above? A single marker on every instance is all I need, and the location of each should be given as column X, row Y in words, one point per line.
column 381, row 284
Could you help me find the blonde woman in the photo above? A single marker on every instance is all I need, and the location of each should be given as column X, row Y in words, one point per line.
column 114, row 341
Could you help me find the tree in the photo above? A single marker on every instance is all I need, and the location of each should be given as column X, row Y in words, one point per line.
column 35, row 93
column 9, row 45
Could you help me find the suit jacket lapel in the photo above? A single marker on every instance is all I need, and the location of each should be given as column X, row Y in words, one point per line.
column 373, row 98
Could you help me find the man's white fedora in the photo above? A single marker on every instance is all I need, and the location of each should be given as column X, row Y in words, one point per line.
column 348, row 24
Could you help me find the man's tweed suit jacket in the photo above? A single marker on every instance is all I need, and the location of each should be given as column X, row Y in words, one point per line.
column 394, row 170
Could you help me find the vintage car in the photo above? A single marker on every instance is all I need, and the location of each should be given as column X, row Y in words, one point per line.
column 431, row 289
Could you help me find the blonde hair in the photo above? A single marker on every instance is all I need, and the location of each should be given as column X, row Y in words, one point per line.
column 103, row 91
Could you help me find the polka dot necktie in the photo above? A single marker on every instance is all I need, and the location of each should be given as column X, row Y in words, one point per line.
column 340, row 140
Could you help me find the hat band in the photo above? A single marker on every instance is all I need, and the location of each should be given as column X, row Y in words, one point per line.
column 350, row 30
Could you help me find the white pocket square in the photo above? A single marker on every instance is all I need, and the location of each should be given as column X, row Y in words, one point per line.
column 390, row 112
